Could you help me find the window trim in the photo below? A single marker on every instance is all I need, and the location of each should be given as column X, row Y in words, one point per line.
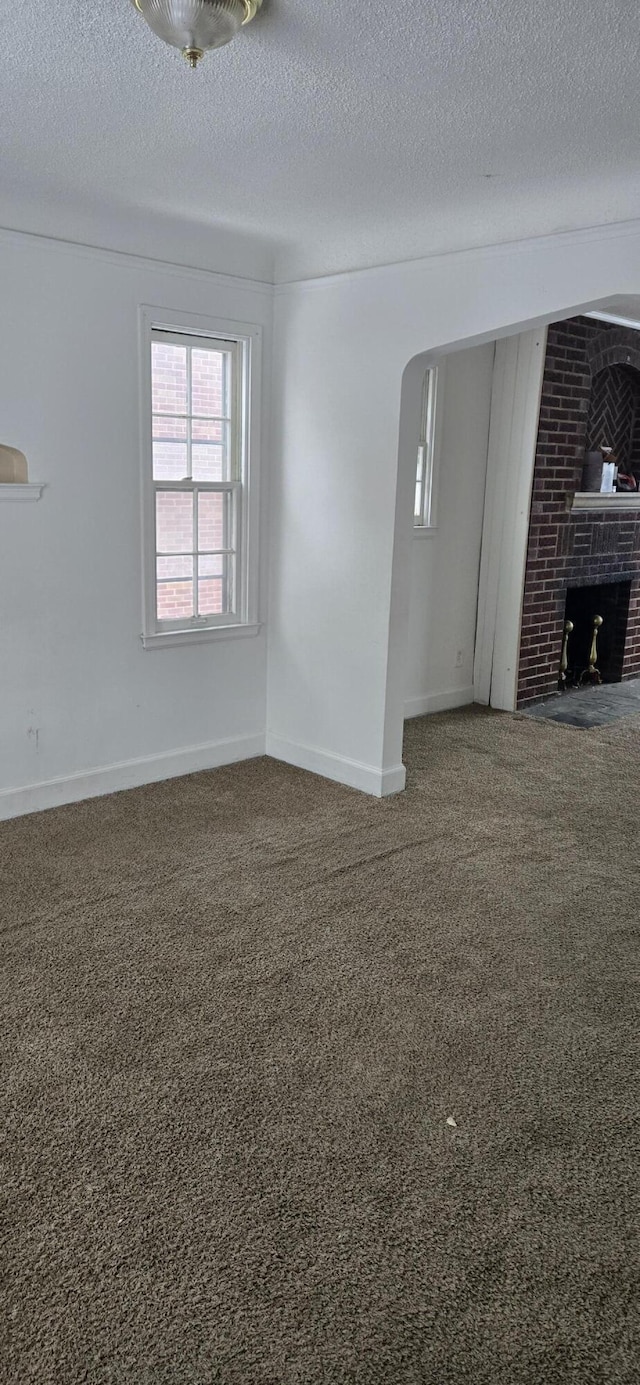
column 423, row 531
column 248, row 336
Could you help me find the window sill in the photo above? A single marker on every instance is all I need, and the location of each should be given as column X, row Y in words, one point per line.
column 424, row 531
column 600, row 500
column 172, row 639
column 21, row 491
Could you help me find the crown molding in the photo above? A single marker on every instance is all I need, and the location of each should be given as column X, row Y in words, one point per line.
column 585, row 235
column 603, row 234
column 13, row 236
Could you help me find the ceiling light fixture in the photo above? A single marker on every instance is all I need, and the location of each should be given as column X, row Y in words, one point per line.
column 196, row 25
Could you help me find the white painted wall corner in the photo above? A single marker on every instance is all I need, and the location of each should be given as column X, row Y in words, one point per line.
column 427, row 703
column 380, row 783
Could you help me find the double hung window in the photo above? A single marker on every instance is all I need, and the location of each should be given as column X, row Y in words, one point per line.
column 200, row 520
column 424, row 509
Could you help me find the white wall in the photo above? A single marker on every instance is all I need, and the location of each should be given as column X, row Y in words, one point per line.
column 78, row 694
column 445, row 562
column 341, row 542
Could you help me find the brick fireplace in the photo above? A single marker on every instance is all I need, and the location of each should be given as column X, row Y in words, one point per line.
column 590, row 397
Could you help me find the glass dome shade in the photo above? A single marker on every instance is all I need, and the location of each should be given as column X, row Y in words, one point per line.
column 196, row 25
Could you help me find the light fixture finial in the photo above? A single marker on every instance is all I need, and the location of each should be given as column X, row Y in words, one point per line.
column 196, row 26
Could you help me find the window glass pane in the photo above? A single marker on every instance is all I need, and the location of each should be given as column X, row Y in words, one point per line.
column 429, row 410
column 165, row 428
column 209, row 382
column 178, row 565
column 213, row 587
column 170, row 461
column 175, row 600
column 427, row 487
column 174, row 521
column 211, row 597
column 213, row 520
column 168, row 378
column 209, row 430
column 211, row 565
column 208, row 462
column 424, row 470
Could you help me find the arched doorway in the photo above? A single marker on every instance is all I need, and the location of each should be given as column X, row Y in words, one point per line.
column 514, row 427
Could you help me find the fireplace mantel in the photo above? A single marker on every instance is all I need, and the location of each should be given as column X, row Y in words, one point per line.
column 597, row 500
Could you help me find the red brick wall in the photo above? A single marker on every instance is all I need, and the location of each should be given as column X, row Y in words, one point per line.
column 583, row 549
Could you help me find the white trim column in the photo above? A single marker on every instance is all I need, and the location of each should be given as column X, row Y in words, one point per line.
column 515, row 408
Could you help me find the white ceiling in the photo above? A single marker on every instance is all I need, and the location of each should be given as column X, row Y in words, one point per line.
column 347, row 134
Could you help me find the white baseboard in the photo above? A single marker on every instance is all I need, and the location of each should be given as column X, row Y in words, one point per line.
column 128, row 774
column 437, row 702
column 353, row 773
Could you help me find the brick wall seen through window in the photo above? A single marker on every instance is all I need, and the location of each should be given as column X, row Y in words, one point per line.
column 195, row 455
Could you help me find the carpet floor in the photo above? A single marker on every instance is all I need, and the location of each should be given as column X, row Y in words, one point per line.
column 307, row 1088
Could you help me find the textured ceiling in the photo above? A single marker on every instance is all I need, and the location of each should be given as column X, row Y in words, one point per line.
column 346, row 134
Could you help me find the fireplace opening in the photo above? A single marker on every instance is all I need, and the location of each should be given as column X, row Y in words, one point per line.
column 603, row 610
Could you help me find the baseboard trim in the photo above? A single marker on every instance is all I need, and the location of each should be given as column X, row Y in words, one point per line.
column 128, row 774
column 353, row 773
column 437, row 702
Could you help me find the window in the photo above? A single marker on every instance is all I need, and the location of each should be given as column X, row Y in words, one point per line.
column 198, row 521
column 424, row 505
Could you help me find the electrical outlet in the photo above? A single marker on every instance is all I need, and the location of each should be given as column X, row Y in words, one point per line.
column 459, row 658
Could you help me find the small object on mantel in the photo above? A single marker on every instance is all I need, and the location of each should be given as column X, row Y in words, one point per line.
column 14, row 469
column 609, row 469
column 592, row 471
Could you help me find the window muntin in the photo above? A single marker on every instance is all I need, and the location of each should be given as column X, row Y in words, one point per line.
column 198, row 481
column 423, row 516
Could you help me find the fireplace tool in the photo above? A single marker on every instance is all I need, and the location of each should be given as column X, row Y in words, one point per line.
column 564, row 658
column 592, row 674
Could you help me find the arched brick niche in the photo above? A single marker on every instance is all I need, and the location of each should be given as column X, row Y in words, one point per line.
column 613, row 346
column 614, row 413
column 614, row 406
column 586, row 549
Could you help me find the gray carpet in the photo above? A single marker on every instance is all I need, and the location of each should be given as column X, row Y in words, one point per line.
column 240, row 1012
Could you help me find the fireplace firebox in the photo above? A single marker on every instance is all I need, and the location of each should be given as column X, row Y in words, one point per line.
column 585, row 606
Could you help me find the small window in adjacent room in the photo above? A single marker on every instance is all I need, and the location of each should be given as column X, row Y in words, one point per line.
column 424, row 506
column 198, row 564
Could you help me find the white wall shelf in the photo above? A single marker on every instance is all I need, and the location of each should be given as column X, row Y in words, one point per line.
column 15, row 490
column 597, row 500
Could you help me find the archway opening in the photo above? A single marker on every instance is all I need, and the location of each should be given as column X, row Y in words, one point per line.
column 496, row 585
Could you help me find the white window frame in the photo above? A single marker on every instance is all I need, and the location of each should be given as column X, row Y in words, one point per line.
column 429, row 448
column 246, row 340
